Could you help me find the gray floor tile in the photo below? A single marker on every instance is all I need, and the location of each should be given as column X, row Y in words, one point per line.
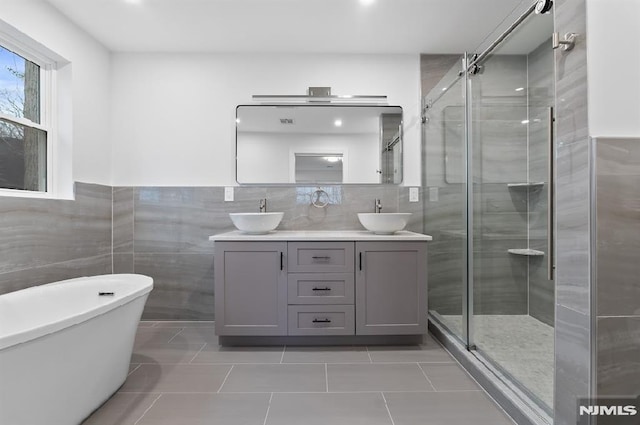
column 276, row 378
column 176, row 378
column 146, row 323
column 376, row 377
column 409, row 354
column 153, row 335
column 328, row 408
column 217, row 354
column 449, row 377
column 326, row 355
column 208, row 409
column 195, row 335
column 449, row 408
column 165, row 353
column 122, row 409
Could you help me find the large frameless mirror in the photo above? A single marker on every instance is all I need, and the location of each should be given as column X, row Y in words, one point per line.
column 303, row 144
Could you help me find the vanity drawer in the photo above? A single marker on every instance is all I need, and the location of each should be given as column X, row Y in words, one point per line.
column 321, row 320
column 331, row 257
column 321, row 288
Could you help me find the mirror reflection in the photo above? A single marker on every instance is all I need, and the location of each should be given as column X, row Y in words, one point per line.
column 290, row 144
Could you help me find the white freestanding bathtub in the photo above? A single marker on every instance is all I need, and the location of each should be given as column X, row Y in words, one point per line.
column 65, row 347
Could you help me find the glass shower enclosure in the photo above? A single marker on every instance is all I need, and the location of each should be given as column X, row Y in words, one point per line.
column 488, row 161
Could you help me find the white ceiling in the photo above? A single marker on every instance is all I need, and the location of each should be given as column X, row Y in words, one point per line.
column 291, row 26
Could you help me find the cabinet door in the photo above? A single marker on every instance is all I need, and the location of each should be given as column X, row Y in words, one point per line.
column 250, row 288
column 391, row 288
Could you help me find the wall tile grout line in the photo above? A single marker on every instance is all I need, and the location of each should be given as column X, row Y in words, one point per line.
column 148, row 408
column 426, row 377
column 225, row 378
column 387, row 407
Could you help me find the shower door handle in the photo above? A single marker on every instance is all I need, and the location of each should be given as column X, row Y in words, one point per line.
column 550, row 203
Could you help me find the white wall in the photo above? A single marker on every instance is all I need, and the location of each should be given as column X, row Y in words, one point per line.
column 173, row 115
column 613, row 61
column 90, row 74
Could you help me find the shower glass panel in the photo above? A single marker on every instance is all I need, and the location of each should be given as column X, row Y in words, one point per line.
column 512, row 312
column 445, row 201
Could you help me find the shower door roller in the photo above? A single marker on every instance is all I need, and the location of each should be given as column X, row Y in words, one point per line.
column 543, row 6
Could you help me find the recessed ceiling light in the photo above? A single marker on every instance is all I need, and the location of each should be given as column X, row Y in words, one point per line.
column 337, row 123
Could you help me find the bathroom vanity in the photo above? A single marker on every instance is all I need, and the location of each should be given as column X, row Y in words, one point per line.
column 335, row 286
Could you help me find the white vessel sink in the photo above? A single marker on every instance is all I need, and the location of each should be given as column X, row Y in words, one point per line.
column 384, row 223
column 256, row 223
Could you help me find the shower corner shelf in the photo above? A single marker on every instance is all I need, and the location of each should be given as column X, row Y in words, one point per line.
column 526, row 252
column 530, row 185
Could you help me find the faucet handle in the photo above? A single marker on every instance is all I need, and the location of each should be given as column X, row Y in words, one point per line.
column 263, row 205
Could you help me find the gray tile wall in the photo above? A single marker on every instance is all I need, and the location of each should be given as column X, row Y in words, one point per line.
column 46, row 240
column 573, row 271
column 541, row 95
column 617, row 267
column 163, row 232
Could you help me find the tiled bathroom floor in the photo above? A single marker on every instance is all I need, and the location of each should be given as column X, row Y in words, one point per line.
column 180, row 375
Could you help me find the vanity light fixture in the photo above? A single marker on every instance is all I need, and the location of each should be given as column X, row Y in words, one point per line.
column 338, row 123
column 333, row 158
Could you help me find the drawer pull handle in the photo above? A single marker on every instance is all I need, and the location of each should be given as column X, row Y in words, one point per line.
column 321, row 289
column 321, row 321
column 324, row 258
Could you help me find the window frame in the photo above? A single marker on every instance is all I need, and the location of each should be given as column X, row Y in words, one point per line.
column 49, row 63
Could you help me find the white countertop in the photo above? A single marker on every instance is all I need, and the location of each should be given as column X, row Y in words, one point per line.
column 320, row 235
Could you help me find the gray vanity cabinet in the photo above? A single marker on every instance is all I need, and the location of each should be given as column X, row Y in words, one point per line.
column 391, row 288
column 250, row 288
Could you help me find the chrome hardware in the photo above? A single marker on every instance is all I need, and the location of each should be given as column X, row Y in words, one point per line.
column 377, row 207
column 550, row 204
column 263, row 205
column 567, row 44
column 321, row 289
column 107, row 294
column 543, row 6
column 320, row 198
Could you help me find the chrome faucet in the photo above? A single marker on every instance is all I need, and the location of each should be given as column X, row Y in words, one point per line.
column 377, row 206
column 263, row 205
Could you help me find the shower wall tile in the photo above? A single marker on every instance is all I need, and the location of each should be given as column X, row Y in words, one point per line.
column 123, row 219
column 618, row 354
column 618, row 226
column 434, row 67
column 54, row 239
column 573, row 363
column 573, row 203
column 183, row 286
column 500, row 283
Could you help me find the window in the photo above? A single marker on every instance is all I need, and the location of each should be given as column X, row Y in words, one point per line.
column 23, row 131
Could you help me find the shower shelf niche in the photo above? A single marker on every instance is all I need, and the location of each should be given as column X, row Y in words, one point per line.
column 530, row 185
column 526, row 252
